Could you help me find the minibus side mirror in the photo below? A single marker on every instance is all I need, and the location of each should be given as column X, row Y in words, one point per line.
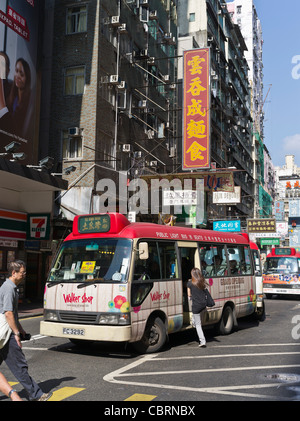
column 143, row 251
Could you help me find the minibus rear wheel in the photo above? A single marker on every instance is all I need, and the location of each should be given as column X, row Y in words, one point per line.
column 227, row 321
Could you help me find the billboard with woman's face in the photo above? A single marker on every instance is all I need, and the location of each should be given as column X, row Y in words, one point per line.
column 19, row 102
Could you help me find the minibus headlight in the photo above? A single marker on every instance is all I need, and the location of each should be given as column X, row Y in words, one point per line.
column 114, row 319
column 51, row 315
column 108, row 319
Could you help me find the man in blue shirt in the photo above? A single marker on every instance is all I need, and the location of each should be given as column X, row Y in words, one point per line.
column 12, row 352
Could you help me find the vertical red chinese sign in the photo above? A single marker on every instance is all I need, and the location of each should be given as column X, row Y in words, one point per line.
column 196, row 111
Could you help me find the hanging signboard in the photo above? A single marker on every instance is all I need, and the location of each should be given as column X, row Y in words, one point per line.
column 227, row 226
column 196, row 110
column 228, row 198
column 279, row 210
column 261, row 225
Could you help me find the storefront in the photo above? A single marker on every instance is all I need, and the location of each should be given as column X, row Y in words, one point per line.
column 26, row 208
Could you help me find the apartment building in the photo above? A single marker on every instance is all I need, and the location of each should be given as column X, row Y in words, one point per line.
column 208, row 24
column 111, row 75
column 244, row 14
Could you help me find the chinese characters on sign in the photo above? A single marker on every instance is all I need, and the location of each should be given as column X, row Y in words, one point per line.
column 15, row 22
column 279, row 210
column 221, row 197
column 179, row 197
column 294, row 207
column 261, row 225
column 95, row 223
column 227, row 226
column 196, row 112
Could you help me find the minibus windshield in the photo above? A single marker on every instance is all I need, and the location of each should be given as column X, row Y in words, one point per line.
column 283, row 265
column 92, row 261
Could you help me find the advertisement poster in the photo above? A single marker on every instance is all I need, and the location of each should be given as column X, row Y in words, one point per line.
column 196, row 111
column 19, row 23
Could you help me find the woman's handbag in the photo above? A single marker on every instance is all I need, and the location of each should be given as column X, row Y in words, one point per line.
column 209, row 300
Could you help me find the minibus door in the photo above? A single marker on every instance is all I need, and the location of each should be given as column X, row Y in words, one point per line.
column 189, row 259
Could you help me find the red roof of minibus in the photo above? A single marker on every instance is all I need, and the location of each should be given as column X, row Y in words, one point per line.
column 150, row 230
column 295, row 253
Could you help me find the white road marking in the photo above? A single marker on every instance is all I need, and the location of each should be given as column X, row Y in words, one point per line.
column 118, row 376
column 227, row 356
column 35, row 338
column 208, row 370
column 255, row 345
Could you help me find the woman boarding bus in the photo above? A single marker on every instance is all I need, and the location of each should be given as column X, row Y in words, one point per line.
column 117, row 281
column 282, row 272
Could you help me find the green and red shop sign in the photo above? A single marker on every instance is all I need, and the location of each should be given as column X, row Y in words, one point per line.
column 16, row 225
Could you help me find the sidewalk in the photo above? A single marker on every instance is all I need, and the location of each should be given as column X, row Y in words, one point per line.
column 30, row 309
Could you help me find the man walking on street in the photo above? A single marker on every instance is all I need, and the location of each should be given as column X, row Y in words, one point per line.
column 12, row 352
column 8, row 390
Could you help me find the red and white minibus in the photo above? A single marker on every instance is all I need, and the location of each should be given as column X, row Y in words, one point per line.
column 113, row 280
column 282, row 272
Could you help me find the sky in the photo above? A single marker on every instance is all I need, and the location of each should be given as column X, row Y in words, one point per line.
column 281, row 59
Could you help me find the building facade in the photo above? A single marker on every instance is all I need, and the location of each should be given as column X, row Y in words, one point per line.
column 113, row 102
column 27, row 193
column 208, row 24
column 244, row 14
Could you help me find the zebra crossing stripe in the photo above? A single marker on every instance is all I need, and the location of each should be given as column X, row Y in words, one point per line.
column 60, row 394
column 64, row 393
column 140, row 397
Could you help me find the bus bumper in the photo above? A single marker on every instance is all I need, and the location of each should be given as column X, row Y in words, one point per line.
column 280, row 290
column 86, row 332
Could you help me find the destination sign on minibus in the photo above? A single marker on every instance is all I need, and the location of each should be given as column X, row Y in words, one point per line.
column 280, row 251
column 93, row 223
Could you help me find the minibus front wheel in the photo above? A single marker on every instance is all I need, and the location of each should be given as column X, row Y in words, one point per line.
column 154, row 337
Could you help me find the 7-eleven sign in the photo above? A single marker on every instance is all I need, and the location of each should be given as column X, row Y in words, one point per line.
column 38, row 227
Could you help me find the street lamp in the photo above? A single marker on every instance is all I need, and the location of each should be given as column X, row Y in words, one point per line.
column 44, row 164
column 19, row 156
column 11, row 148
column 66, row 171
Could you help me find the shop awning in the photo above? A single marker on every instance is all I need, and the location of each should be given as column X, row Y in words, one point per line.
column 20, row 178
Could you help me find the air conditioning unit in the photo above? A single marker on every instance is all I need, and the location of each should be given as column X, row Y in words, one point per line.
column 153, row 15
column 144, row 3
column 74, row 131
column 142, row 104
column 114, row 80
column 151, row 60
column 122, row 85
column 150, row 134
column 172, row 87
column 122, row 28
column 127, row 147
column 168, row 36
column 138, row 154
column 166, row 78
column 144, row 53
column 115, row 20
column 172, row 152
column 153, row 163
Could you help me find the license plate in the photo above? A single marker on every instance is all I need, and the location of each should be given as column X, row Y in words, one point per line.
column 70, row 331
